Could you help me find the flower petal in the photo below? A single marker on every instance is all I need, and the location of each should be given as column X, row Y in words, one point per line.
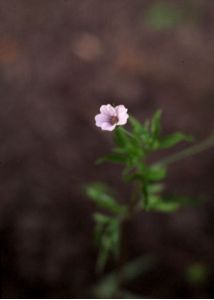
column 120, row 109
column 122, row 119
column 100, row 119
column 108, row 110
column 108, row 126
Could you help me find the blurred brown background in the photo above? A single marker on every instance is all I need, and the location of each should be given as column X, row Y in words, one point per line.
column 59, row 61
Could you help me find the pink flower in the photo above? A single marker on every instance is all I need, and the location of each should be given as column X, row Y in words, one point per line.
column 110, row 117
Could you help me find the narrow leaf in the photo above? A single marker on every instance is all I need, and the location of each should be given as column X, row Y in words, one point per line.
column 100, row 195
column 155, row 124
column 120, row 137
column 158, row 203
column 173, row 139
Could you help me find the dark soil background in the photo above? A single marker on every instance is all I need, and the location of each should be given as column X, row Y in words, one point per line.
column 59, row 61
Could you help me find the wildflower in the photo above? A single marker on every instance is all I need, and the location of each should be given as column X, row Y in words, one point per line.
column 110, row 117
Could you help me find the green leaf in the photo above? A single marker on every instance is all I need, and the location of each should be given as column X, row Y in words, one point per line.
column 100, row 194
column 103, row 255
column 119, row 150
column 115, row 237
column 155, row 124
column 170, row 204
column 100, row 218
column 106, row 288
column 121, row 137
column 109, row 285
column 141, row 132
column 101, row 221
column 147, row 133
column 162, row 16
column 197, row 273
column 155, row 188
column 159, row 204
column 137, row 127
column 107, row 234
column 173, row 139
column 156, row 172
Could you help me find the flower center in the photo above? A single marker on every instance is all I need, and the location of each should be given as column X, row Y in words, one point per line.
column 113, row 120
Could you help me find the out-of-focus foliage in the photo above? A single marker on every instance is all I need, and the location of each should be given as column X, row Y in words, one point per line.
column 197, row 273
column 102, row 196
column 163, row 15
column 111, row 285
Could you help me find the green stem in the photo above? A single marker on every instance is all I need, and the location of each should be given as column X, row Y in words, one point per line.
column 204, row 145
column 145, row 196
column 129, row 133
column 134, row 200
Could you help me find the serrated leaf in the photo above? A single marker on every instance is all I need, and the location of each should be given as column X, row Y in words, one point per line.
column 173, row 139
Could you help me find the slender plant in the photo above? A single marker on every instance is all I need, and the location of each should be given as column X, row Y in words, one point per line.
column 133, row 147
